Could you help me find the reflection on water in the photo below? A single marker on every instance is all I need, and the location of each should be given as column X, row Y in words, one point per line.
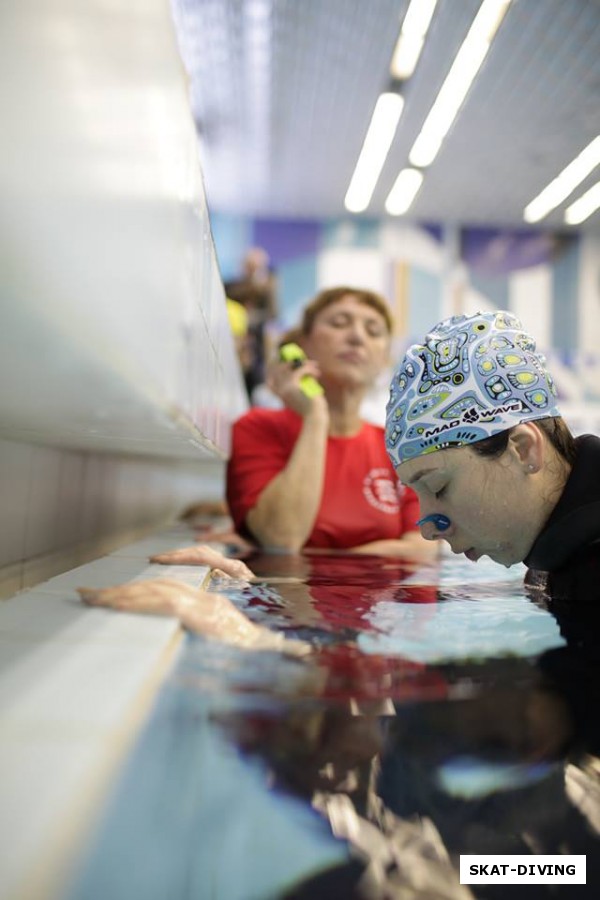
column 441, row 713
column 461, row 629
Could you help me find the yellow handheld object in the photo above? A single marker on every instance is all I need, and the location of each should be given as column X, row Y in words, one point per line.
column 296, row 355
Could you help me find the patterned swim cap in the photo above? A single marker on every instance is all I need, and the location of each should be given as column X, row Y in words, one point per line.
column 473, row 377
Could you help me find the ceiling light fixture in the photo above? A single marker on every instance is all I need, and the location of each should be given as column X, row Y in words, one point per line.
column 404, row 191
column 380, row 135
column 412, row 37
column 466, row 64
column 583, row 208
column 564, row 183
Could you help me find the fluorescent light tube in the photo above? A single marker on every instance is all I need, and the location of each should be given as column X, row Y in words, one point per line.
column 466, row 64
column 412, row 37
column 583, row 208
column 405, row 58
column 404, row 191
column 564, row 183
column 380, row 135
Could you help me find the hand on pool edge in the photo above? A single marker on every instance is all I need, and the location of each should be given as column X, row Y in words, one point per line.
column 201, row 555
column 209, row 615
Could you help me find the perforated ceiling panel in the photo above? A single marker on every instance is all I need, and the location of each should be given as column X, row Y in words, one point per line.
column 283, row 91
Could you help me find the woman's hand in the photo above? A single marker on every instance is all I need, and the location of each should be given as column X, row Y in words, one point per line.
column 284, row 379
column 157, row 596
column 204, row 556
column 210, row 615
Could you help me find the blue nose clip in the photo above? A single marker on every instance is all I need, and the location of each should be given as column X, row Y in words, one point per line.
column 442, row 523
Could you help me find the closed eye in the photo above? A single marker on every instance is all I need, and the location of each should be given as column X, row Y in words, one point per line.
column 339, row 321
column 440, row 493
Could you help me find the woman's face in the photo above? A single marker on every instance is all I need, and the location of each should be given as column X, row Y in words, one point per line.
column 350, row 341
column 489, row 502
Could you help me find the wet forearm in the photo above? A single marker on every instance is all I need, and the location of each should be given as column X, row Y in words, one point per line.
column 410, row 546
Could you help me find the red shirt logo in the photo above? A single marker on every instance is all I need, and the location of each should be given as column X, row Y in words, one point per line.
column 381, row 491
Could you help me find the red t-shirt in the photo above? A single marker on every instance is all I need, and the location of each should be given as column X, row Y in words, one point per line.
column 362, row 499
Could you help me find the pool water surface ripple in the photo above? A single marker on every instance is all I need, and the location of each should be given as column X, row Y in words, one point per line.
column 438, row 714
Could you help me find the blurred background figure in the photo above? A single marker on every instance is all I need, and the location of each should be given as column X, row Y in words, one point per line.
column 256, row 292
column 237, row 315
column 256, row 270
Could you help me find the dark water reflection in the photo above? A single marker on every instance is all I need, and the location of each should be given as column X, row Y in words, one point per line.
column 440, row 713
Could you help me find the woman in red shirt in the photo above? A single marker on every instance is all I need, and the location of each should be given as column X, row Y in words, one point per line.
column 314, row 474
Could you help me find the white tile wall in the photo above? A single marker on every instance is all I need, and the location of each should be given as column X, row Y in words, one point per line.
column 70, row 496
column 61, row 507
column 15, row 478
column 115, row 334
column 44, row 532
column 114, row 341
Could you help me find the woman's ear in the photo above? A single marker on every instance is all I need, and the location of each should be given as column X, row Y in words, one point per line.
column 527, row 443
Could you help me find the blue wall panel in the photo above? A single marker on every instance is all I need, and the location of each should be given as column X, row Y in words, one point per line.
column 232, row 236
column 494, row 288
column 297, row 281
column 425, row 302
column 565, row 313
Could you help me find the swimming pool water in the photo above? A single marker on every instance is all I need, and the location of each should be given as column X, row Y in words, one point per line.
column 441, row 713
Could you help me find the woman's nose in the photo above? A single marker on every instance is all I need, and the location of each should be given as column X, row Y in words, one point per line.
column 357, row 333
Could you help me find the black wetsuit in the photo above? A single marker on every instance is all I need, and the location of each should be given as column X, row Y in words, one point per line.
column 565, row 565
column 566, row 555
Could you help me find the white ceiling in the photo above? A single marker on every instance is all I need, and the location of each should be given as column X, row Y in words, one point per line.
column 284, row 143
